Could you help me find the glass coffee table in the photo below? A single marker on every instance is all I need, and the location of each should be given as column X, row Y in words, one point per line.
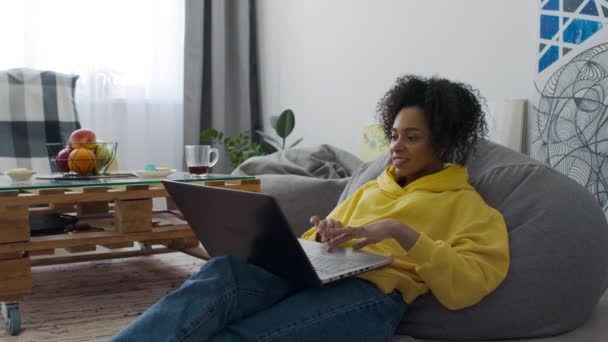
column 115, row 216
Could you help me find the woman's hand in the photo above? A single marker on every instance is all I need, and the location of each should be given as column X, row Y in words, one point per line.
column 324, row 226
column 373, row 233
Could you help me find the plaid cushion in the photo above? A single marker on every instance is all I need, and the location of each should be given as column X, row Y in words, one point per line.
column 36, row 108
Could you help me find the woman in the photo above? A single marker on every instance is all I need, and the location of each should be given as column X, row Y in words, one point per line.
column 420, row 210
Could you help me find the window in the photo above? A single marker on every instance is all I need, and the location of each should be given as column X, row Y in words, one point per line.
column 129, row 56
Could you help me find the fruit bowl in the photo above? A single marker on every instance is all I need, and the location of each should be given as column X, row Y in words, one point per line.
column 89, row 159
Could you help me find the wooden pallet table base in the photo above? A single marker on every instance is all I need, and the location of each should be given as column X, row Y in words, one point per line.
column 14, row 219
column 92, row 208
column 119, row 217
column 15, row 268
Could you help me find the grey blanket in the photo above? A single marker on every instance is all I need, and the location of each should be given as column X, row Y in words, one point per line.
column 305, row 181
column 322, row 161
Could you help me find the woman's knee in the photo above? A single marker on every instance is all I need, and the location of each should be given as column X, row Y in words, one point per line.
column 235, row 272
column 223, row 263
column 223, row 269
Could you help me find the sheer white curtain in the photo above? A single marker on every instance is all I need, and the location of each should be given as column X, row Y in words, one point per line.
column 129, row 55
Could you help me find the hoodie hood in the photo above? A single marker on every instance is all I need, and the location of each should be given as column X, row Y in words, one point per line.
column 451, row 178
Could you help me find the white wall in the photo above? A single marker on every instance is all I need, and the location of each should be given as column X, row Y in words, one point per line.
column 332, row 60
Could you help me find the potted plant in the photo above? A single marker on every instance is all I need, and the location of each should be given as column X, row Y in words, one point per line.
column 241, row 147
column 283, row 125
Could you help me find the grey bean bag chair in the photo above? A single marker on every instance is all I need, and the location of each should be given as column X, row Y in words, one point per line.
column 558, row 239
column 559, row 253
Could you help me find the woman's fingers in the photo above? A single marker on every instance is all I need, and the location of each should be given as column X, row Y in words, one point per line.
column 322, row 230
column 333, row 233
column 325, row 227
column 331, row 224
column 320, row 226
column 369, row 234
column 314, row 220
column 341, row 235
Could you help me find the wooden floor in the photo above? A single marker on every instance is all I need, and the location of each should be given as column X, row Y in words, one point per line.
column 90, row 301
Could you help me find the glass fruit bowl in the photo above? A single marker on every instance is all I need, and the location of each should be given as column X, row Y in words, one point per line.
column 90, row 159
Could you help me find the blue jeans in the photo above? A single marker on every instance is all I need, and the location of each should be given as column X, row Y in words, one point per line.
column 231, row 300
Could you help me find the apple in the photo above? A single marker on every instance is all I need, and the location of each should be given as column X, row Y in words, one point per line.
column 83, row 138
column 103, row 155
column 61, row 160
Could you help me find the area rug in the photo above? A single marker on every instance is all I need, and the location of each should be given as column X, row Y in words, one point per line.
column 91, row 301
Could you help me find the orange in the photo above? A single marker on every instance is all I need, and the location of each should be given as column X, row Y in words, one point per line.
column 82, row 161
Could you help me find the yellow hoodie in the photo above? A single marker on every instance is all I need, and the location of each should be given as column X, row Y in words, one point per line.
column 462, row 253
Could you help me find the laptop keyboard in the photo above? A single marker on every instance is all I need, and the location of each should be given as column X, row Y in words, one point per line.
column 330, row 265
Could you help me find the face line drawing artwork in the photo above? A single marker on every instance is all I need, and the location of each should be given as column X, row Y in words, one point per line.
column 568, row 123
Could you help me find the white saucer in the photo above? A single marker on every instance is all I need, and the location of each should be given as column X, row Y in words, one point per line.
column 20, row 176
column 153, row 174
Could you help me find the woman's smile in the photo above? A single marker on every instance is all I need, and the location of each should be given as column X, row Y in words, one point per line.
column 399, row 161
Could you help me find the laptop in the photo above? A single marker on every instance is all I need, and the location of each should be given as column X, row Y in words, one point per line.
column 252, row 226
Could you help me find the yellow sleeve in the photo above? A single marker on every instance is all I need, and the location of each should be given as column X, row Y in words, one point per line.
column 460, row 273
column 342, row 212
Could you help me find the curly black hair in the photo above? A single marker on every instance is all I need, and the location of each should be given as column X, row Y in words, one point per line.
column 453, row 111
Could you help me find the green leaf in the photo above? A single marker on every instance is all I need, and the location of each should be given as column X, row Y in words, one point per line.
column 239, row 148
column 209, row 135
column 274, row 145
column 285, row 123
column 252, row 152
column 267, row 148
column 256, row 150
column 296, row 142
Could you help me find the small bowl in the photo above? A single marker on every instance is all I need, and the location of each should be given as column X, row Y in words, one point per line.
column 20, row 176
column 153, row 174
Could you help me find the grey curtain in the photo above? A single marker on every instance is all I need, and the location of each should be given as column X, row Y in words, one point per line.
column 221, row 84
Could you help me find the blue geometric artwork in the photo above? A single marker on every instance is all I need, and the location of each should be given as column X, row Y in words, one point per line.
column 590, row 8
column 551, row 55
column 579, row 30
column 570, row 6
column 549, row 25
column 564, row 24
column 551, row 5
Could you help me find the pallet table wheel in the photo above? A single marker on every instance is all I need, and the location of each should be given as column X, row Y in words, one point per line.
column 144, row 246
column 10, row 312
